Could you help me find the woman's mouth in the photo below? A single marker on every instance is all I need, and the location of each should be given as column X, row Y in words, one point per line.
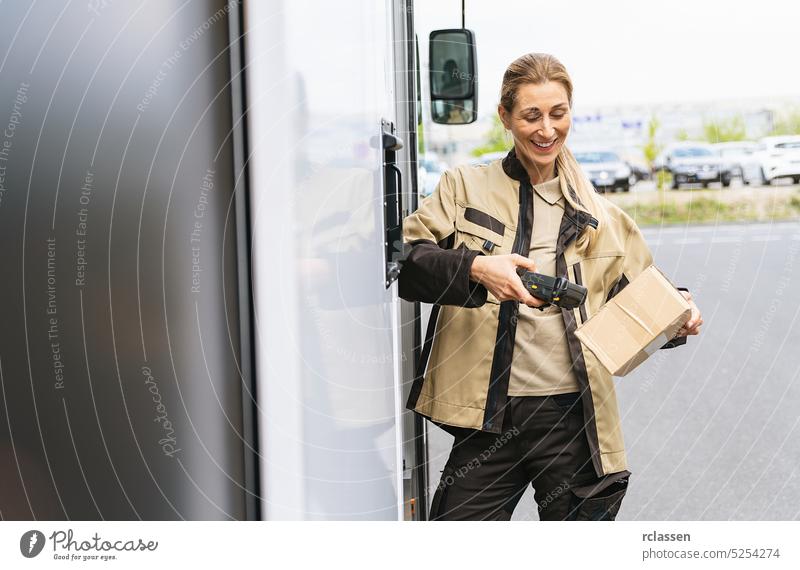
column 544, row 146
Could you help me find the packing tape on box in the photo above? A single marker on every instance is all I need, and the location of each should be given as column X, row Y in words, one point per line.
column 657, row 343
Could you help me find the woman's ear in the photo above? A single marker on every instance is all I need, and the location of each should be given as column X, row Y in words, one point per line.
column 503, row 116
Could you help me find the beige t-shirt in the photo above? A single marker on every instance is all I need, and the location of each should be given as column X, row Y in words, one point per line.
column 541, row 363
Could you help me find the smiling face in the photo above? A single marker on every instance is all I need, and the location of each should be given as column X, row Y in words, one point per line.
column 539, row 122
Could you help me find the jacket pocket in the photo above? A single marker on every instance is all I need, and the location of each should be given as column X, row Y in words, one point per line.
column 597, row 272
column 602, row 258
column 577, row 278
column 481, row 231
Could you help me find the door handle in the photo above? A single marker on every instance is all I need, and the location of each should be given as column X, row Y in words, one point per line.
column 392, row 202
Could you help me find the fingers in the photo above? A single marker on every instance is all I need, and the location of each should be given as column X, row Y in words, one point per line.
column 691, row 327
column 518, row 294
column 532, row 301
column 523, row 296
column 690, row 332
column 695, row 319
column 525, row 262
column 687, row 332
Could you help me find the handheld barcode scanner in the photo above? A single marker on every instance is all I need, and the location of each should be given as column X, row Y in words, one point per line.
column 555, row 290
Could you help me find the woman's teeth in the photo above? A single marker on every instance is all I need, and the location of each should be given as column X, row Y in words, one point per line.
column 545, row 146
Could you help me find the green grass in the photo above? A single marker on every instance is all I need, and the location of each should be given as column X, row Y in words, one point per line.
column 664, row 208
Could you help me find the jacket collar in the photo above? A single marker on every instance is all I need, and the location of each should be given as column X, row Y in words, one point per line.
column 550, row 191
column 513, row 167
column 576, row 218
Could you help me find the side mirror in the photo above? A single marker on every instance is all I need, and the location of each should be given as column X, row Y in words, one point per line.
column 453, row 76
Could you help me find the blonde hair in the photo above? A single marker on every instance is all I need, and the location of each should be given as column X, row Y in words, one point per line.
column 540, row 68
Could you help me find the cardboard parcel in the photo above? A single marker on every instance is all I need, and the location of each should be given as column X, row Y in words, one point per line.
column 636, row 322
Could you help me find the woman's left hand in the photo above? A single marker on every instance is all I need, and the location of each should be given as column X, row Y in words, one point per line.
column 692, row 326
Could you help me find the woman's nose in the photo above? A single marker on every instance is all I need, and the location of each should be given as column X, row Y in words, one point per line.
column 547, row 128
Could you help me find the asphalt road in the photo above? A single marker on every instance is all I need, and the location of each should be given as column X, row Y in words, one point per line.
column 712, row 428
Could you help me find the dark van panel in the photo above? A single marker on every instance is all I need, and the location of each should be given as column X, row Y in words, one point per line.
column 120, row 345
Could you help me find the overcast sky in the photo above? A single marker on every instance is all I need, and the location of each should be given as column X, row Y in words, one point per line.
column 626, row 51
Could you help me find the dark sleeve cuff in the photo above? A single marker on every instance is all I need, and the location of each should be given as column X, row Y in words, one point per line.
column 477, row 292
column 431, row 274
column 678, row 340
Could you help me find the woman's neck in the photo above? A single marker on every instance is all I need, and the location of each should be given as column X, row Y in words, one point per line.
column 542, row 177
column 537, row 174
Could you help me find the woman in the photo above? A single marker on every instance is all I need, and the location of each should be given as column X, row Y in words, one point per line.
column 502, row 371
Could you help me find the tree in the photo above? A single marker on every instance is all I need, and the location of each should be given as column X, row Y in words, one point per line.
column 682, row 135
column 788, row 123
column 725, row 130
column 496, row 139
column 651, row 149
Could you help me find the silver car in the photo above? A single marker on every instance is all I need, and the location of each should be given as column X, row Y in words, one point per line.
column 693, row 162
column 605, row 169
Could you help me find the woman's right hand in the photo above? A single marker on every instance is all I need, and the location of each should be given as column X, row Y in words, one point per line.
column 498, row 273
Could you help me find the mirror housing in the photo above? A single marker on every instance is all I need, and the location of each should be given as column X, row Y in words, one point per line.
column 453, row 79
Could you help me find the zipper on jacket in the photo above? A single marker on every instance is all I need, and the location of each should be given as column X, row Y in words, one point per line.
column 517, row 248
column 523, row 215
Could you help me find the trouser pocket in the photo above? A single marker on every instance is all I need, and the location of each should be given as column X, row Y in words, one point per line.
column 569, row 402
column 602, row 506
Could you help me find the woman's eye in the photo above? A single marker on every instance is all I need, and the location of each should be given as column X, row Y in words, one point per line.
column 558, row 115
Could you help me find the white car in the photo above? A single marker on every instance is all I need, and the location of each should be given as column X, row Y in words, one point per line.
column 775, row 157
column 735, row 155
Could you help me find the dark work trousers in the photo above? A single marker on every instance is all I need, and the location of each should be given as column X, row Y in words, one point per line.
column 543, row 443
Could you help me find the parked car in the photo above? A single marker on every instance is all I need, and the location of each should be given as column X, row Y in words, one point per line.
column 735, row 155
column 693, row 162
column 639, row 171
column 774, row 157
column 430, row 171
column 605, row 169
